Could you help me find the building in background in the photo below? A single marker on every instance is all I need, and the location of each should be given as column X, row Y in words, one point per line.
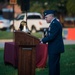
column 6, row 10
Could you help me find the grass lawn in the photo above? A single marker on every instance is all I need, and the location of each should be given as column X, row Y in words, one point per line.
column 9, row 35
column 67, row 63
column 6, row 35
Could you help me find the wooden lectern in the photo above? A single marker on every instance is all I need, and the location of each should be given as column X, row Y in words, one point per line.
column 26, row 58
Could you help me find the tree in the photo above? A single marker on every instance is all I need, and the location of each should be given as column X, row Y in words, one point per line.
column 71, row 7
column 2, row 1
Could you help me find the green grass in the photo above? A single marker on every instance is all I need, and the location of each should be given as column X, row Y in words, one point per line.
column 38, row 34
column 6, row 70
column 9, row 35
column 6, row 35
column 67, row 63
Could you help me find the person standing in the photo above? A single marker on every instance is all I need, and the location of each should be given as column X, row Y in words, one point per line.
column 55, row 42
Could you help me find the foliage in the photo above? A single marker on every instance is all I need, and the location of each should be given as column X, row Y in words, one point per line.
column 41, row 5
column 2, row 0
column 68, row 5
column 36, row 6
column 71, row 7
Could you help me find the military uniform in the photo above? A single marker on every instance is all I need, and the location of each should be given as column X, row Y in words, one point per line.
column 55, row 46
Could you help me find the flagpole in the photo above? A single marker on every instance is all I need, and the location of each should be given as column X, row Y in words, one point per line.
column 13, row 2
column 13, row 18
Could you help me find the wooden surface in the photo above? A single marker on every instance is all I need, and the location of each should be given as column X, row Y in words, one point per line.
column 27, row 44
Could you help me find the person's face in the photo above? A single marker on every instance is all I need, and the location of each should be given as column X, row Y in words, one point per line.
column 48, row 18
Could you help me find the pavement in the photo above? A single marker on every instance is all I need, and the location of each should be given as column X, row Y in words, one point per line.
column 6, row 40
column 2, row 42
column 66, row 42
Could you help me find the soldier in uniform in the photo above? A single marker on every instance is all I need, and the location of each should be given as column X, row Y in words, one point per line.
column 55, row 42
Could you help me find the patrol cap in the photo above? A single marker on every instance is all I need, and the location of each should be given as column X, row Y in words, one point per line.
column 47, row 12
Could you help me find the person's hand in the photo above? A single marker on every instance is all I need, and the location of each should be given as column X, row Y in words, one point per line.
column 41, row 42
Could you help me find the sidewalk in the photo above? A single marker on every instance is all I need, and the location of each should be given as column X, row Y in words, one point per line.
column 67, row 42
column 6, row 40
column 2, row 42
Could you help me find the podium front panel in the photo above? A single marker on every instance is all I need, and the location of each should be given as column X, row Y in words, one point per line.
column 26, row 65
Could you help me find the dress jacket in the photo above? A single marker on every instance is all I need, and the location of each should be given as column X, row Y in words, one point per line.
column 54, row 38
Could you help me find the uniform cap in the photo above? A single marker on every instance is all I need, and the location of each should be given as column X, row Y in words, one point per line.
column 47, row 12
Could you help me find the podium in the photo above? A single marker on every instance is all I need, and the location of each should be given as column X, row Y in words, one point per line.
column 26, row 57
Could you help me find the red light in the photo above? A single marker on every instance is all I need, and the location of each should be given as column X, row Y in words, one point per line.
column 40, row 23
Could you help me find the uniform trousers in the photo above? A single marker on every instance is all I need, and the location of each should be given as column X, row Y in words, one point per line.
column 54, row 64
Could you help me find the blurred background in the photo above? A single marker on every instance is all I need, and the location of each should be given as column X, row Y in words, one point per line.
column 11, row 9
column 65, row 9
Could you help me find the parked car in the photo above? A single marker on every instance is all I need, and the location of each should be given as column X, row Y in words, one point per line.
column 4, row 23
column 69, row 21
column 35, row 22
